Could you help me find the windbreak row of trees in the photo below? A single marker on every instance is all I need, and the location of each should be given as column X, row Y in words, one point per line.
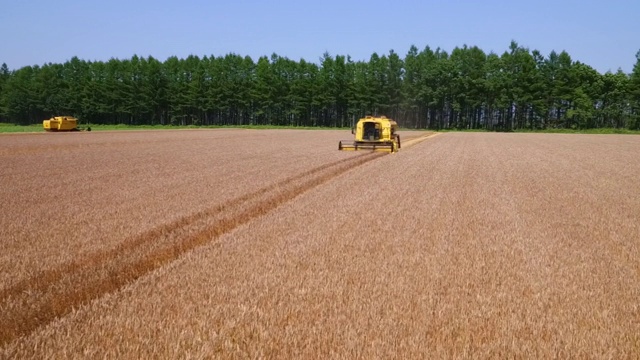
column 467, row 88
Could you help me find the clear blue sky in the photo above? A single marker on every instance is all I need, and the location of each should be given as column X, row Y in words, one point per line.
column 602, row 34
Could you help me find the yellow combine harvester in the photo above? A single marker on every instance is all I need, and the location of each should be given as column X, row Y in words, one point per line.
column 373, row 133
column 62, row 123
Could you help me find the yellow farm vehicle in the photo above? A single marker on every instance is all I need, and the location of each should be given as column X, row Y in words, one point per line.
column 373, row 133
column 62, row 123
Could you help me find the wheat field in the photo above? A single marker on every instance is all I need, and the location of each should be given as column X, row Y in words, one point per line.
column 273, row 244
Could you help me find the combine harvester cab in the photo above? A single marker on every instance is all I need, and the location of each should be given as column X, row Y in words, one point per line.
column 62, row 123
column 373, row 133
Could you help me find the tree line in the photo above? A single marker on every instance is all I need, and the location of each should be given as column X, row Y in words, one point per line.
column 433, row 89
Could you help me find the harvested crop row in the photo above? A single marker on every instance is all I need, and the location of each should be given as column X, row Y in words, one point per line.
column 483, row 245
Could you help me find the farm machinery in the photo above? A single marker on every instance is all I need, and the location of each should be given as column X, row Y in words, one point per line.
column 373, row 133
column 62, row 123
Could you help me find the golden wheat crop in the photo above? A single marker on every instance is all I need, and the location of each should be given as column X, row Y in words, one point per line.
column 465, row 245
column 52, row 269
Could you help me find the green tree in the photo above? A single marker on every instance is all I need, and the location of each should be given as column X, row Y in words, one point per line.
column 4, row 78
column 411, row 104
column 634, row 94
column 301, row 92
column 263, row 93
column 95, row 103
column 468, row 86
column 156, row 91
column 21, row 99
column 395, row 73
column 53, row 92
column 588, row 85
column 614, row 99
column 427, row 89
column 494, row 95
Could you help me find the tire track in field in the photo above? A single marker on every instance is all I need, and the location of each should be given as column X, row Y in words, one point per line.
column 415, row 140
column 51, row 294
